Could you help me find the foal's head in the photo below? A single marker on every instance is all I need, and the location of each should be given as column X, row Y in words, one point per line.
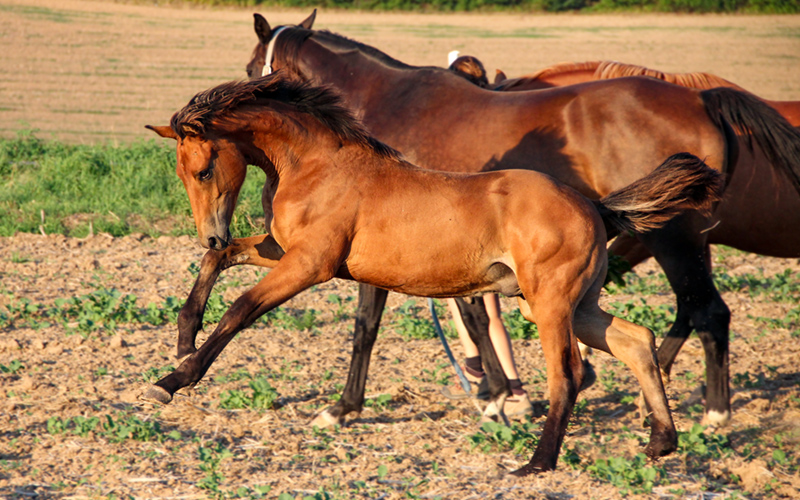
column 269, row 122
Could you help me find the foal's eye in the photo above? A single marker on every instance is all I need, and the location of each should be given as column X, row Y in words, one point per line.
column 204, row 175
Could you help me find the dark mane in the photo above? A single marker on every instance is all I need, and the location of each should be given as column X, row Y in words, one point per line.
column 320, row 102
column 290, row 41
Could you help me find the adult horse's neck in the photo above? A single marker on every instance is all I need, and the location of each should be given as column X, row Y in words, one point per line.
column 411, row 108
column 364, row 75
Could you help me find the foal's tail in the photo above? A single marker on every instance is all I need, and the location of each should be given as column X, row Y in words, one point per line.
column 683, row 182
column 776, row 137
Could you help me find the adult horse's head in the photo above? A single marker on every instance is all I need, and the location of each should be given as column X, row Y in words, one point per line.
column 211, row 168
column 261, row 62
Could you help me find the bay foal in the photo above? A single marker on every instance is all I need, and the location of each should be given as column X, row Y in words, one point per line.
column 342, row 204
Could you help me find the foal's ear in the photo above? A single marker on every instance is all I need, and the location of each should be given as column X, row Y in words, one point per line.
column 164, row 131
column 309, row 21
column 263, row 31
column 499, row 76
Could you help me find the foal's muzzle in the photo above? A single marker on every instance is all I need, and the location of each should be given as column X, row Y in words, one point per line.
column 217, row 243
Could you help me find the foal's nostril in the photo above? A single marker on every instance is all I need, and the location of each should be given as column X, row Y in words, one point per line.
column 213, row 243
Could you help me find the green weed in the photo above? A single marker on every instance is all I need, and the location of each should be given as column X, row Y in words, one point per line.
column 78, row 425
column 409, row 324
column 211, row 455
column 518, row 327
column 262, row 396
column 282, row 318
column 630, row 476
column 379, row 403
column 342, row 312
column 495, row 437
column 13, row 367
column 702, row 447
column 658, row 318
column 127, row 426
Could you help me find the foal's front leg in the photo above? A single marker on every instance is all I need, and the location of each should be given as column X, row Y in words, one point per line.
column 261, row 250
column 294, row 273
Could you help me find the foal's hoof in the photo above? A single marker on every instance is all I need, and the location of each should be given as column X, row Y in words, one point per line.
column 157, row 394
column 661, row 446
column 325, row 420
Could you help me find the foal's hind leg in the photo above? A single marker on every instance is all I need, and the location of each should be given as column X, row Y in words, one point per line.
column 261, row 250
column 633, row 345
column 371, row 301
column 564, row 373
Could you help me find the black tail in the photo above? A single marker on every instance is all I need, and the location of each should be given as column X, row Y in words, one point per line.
column 683, row 182
column 751, row 116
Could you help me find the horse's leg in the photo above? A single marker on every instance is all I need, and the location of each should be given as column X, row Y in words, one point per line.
column 564, row 373
column 635, row 346
column 473, row 312
column 261, row 250
column 371, row 301
column 681, row 251
column 291, row 275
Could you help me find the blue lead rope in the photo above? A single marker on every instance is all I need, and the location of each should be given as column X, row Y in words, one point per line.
column 461, row 377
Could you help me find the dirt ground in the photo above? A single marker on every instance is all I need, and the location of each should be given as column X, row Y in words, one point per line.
column 68, row 67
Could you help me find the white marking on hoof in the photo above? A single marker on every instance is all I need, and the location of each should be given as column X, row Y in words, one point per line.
column 494, row 412
column 716, row 418
column 324, row 420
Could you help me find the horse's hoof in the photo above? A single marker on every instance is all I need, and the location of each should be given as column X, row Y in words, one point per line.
column 661, row 445
column 157, row 394
column 324, row 420
column 716, row 419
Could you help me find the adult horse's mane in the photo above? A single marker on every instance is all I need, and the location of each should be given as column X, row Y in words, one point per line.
column 698, row 80
column 565, row 67
column 291, row 40
column 604, row 70
column 325, row 105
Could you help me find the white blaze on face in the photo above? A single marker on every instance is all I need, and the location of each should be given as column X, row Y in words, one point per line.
column 270, row 49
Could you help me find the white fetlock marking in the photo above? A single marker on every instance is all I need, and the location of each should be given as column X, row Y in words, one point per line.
column 716, row 418
column 324, row 420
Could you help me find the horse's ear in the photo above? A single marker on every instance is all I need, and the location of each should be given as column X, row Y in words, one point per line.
column 499, row 77
column 263, row 31
column 164, row 131
column 309, row 21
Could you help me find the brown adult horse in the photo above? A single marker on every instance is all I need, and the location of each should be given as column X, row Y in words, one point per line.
column 760, row 211
column 342, row 204
column 571, row 73
column 578, row 134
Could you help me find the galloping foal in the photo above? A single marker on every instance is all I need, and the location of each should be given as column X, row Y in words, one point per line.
column 344, row 205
